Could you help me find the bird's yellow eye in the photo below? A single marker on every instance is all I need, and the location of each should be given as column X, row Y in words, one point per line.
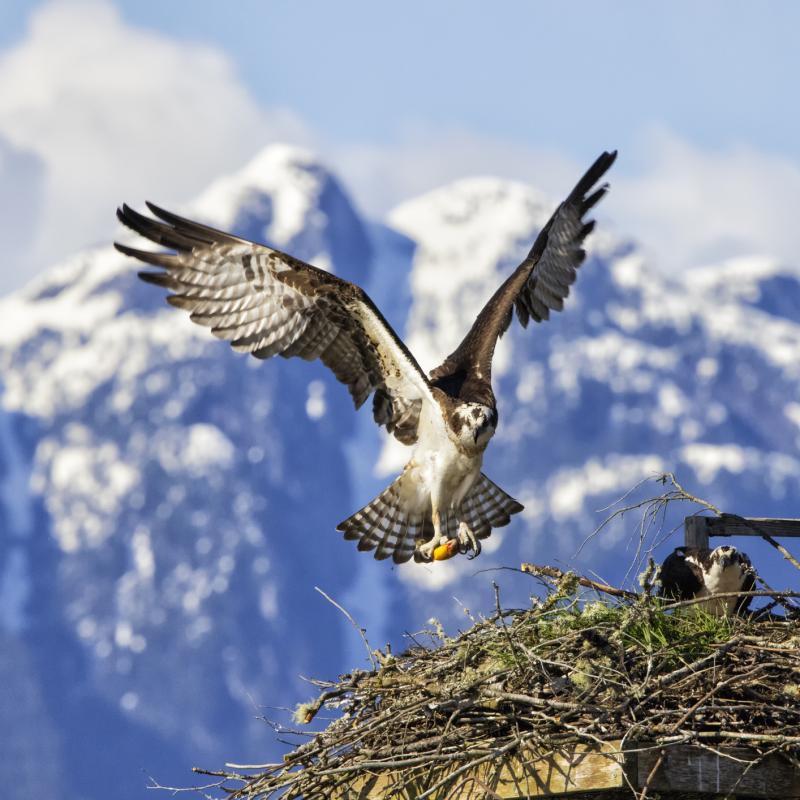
column 446, row 550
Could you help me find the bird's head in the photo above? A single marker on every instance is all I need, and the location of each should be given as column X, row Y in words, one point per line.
column 473, row 424
column 725, row 555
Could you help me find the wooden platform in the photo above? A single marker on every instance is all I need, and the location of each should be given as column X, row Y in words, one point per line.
column 700, row 529
column 595, row 770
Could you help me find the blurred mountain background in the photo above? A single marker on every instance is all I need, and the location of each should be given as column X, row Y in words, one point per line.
column 167, row 507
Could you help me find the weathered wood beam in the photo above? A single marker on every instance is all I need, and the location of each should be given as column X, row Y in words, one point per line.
column 694, row 769
column 586, row 768
column 696, row 531
column 559, row 773
column 699, row 529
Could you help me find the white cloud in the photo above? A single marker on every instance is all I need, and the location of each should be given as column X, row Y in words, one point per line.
column 94, row 111
column 423, row 158
column 21, row 195
column 688, row 206
column 691, row 206
column 110, row 112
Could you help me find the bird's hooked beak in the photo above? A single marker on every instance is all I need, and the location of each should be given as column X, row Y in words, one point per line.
column 487, row 421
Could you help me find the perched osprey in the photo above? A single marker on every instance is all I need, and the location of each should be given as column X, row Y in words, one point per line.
column 266, row 302
column 691, row 572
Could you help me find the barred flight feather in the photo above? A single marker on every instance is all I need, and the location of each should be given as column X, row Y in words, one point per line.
column 268, row 303
column 384, row 525
column 538, row 286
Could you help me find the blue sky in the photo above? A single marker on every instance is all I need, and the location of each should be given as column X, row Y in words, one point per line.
column 716, row 72
column 104, row 100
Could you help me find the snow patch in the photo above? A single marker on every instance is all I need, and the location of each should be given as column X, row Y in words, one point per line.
column 290, row 176
column 83, row 481
column 197, row 449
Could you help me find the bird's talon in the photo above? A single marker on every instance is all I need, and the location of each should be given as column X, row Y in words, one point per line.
column 468, row 541
column 425, row 551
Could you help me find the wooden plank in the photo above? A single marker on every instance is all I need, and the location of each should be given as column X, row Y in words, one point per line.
column 693, row 769
column 579, row 768
column 733, row 525
column 699, row 529
column 696, row 531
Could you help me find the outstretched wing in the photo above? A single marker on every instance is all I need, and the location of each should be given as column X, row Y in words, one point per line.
column 266, row 302
column 539, row 285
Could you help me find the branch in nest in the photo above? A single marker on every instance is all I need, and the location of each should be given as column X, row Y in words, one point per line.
column 559, row 575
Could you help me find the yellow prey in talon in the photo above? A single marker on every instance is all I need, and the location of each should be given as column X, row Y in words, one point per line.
column 446, row 550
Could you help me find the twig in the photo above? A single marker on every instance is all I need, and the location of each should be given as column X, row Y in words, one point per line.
column 781, row 549
column 557, row 574
column 361, row 631
column 704, row 699
column 175, row 790
column 695, row 600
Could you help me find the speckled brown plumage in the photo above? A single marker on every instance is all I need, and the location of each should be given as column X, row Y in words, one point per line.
column 266, row 302
column 540, row 284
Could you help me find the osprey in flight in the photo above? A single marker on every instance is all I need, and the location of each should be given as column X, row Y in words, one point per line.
column 691, row 572
column 268, row 303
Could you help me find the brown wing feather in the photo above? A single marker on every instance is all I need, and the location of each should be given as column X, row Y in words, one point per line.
column 267, row 303
column 681, row 579
column 539, row 285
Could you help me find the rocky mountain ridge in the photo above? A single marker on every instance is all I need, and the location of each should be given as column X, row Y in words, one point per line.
column 168, row 506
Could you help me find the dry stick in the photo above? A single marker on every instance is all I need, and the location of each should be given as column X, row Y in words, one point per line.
column 745, row 737
column 684, row 495
column 764, row 535
column 653, row 505
column 690, row 669
column 557, row 574
column 471, row 765
column 660, row 760
column 500, row 617
column 748, row 765
column 449, row 751
column 536, row 702
column 696, row 600
column 777, row 600
column 455, row 713
column 782, row 550
column 354, row 624
column 175, row 790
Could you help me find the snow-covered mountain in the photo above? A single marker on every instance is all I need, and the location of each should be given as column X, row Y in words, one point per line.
column 167, row 506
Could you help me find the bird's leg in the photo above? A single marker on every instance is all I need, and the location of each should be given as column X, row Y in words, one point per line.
column 426, row 550
column 467, row 540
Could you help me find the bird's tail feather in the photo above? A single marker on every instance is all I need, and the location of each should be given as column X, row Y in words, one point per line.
column 384, row 525
column 486, row 506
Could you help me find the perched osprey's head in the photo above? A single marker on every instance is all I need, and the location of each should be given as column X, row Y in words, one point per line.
column 473, row 424
column 724, row 569
column 725, row 556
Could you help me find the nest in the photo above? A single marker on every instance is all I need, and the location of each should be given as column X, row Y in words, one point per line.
column 570, row 671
